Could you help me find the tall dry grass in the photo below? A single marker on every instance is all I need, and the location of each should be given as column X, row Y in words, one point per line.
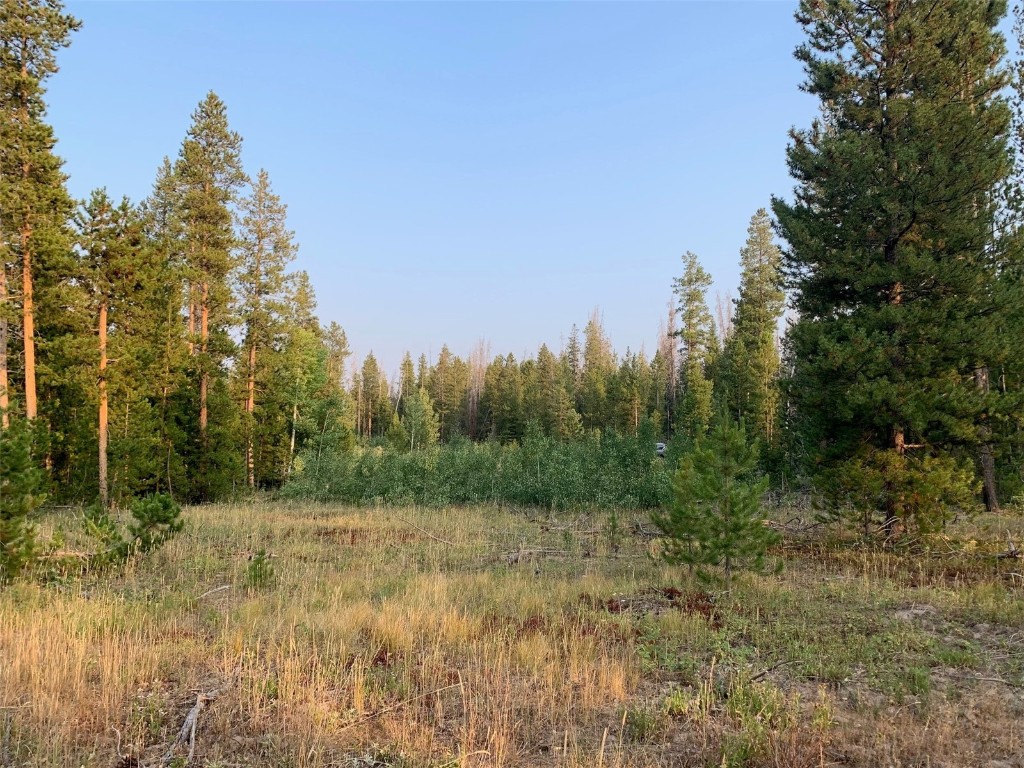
column 404, row 637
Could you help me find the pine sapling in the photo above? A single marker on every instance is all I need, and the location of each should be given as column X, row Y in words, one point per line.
column 715, row 517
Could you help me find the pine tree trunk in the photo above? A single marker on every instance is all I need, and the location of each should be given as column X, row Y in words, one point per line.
column 27, row 308
column 250, row 407
column 291, row 448
column 191, row 321
column 893, row 508
column 28, row 323
column 104, row 498
column 4, row 381
column 987, row 458
column 204, row 376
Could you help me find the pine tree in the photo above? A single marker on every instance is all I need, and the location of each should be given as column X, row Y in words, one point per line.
column 715, row 518
column 162, row 215
column 210, row 174
column 447, row 385
column 372, row 391
column 20, row 482
column 337, row 353
column 697, row 344
column 474, row 393
column 596, row 374
column 406, row 382
column 749, row 370
column 267, row 249
column 34, row 205
column 890, row 254
column 110, row 241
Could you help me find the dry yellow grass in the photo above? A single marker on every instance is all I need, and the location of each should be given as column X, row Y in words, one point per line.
column 377, row 638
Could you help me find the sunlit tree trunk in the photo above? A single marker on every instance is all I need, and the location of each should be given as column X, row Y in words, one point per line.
column 104, row 497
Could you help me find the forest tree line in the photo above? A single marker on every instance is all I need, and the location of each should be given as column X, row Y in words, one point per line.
column 169, row 346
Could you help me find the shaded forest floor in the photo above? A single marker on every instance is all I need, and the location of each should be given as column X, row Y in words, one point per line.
column 483, row 637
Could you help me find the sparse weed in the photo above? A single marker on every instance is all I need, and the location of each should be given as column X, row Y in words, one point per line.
column 259, row 573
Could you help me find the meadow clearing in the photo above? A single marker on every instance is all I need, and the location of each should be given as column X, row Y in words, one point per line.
column 336, row 636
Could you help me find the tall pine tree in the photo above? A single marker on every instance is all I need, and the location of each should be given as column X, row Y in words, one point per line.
column 34, row 205
column 891, row 256
column 748, row 372
column 210, row 175
column 267, row 249
column 697, row 345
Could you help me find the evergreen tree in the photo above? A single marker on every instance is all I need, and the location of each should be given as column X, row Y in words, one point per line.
column 891, row 255
column 267, row 249
column 572, row 360
column 748, row 374
column 372, row 398
column 595, row 376
column 632, row 383
column 697, row 345
column 109, row 271
column 337, row 353
column 210, row 175
column 715, row 518
column 406, row 382
column 20, row 482
column 554, row 405
column 447, row 385
column 34, row 205
column 162, row 216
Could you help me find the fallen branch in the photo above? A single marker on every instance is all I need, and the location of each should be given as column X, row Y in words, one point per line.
column 213, row 591
column 188, row 728
column 425, row 532
column 979, row 679
column 765, row 672
column 642, row 531
column 528, row 554
column 60, row 554
column 399, row 705
column 1012, row 552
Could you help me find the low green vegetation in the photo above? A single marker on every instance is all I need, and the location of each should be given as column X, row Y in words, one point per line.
column 596, row 470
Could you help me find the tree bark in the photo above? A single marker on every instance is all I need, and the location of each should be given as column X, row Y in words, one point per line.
column 987, row 458
column 191, row 321
column 204, row 375
column 893, row 504
column 104, row 497
column 28, row 323
column 291, row 448
column 250, row 407
column 5, row 419
column 27, row 308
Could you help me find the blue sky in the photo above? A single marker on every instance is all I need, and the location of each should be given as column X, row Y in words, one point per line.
column 457, row 171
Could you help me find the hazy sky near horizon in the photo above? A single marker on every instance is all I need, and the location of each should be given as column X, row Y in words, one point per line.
column 458, row 171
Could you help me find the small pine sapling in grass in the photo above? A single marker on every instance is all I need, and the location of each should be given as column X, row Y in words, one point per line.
column 155, row 519
column 20, row 496
column 715, row 517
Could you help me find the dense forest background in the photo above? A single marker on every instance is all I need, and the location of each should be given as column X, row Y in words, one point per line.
column 168, row 345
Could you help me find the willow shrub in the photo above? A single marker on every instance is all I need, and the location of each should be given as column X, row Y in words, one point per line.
column 598, row 470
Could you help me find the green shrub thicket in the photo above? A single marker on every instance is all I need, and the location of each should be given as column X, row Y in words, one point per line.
column 598, row 470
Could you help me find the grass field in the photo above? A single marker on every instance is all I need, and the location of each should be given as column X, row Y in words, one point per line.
column 485, row 637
